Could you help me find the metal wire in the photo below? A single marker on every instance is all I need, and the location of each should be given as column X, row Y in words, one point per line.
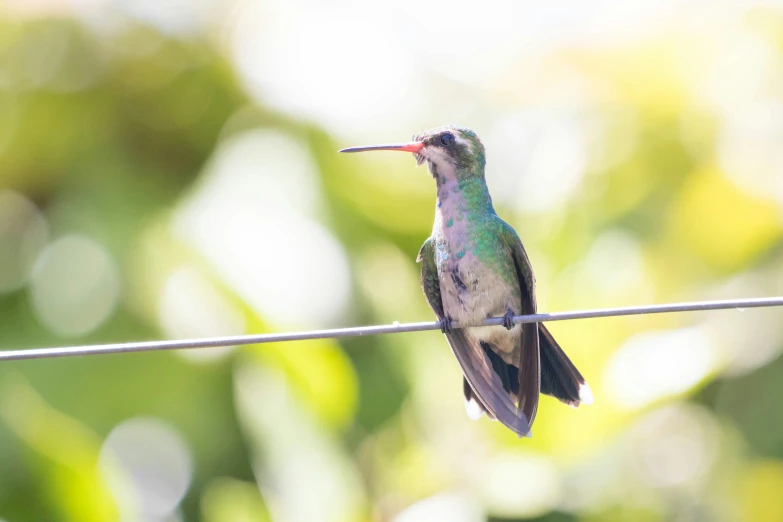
column 147, row 346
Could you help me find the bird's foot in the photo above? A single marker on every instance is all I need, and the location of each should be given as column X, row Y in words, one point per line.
column 508, row 320
column 445, row 324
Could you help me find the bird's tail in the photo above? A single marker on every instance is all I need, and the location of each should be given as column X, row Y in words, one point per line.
column 487, row 391
column 559, row 376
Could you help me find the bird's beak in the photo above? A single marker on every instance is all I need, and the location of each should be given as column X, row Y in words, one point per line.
column 414, row 146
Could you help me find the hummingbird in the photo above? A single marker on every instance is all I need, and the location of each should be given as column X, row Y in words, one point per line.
column 474, row 267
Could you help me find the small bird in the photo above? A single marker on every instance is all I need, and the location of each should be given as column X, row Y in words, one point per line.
column 473, row 267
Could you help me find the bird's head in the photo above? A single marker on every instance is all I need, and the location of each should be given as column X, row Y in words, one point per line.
column 445, row 149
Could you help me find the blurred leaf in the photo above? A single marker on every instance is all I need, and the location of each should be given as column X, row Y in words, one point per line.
column 748, row 400
column 69, row 453
column 760, row 491
column 303, row 469
column 321, row 373
column 229, row 500
column 624, row 513
column 384, row 386
column 721, row 224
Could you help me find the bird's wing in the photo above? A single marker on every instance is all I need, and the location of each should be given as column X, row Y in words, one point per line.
column 529, row 354
column 471, row 357
column 430, row 283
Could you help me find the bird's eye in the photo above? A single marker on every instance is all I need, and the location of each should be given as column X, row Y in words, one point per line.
column 447, row 139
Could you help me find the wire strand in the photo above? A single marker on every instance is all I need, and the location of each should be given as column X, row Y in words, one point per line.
column 214, row 342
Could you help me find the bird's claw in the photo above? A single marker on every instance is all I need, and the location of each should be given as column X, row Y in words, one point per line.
column 508, row 320
column 445, row 324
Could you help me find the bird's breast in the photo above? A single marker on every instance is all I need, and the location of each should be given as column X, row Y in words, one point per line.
column 472, row 288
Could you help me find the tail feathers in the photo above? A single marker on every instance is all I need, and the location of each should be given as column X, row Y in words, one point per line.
column 509, row 374
column 559, row 376
column 509, row 378
column 473, row 406
column 484, row 390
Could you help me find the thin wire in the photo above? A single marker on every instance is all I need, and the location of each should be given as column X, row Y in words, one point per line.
column 212, row 342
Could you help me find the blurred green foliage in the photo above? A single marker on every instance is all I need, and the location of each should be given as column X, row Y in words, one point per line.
column 110, row 137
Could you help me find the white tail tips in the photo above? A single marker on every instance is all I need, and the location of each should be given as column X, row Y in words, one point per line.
column 473, row 409
column 585, row 394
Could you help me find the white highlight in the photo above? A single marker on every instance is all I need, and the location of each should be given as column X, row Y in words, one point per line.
column 675, row 446
column 351, row 66
column 451, row 506
column 516, row 484
column 615, row 267
column 147, row 466
column 174, row 18
column 653, row 365
column 555, row 167
column 192, row 306
column 250, row 220
column 23, row 234
column 303, row 469
column 74, row 286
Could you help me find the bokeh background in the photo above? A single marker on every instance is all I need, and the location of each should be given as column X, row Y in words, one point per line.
column 168, row 169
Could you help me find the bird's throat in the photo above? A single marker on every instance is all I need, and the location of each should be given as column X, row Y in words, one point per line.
column 462, row 197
